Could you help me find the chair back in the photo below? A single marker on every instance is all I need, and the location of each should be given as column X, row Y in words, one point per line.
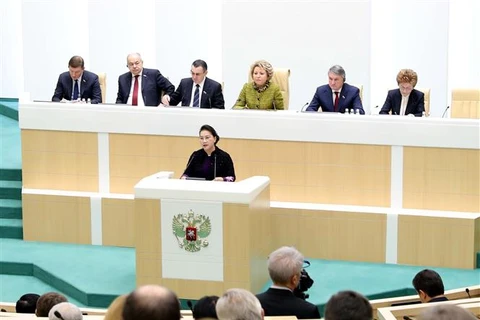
column 360, row 87
column 426, row 99
column 465, row 103
column 102, row 79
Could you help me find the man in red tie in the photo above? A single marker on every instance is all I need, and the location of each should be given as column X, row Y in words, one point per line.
column 337, row 95
column 141, row 86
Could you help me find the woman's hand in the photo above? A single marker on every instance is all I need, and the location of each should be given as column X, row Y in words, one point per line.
column 218, row 179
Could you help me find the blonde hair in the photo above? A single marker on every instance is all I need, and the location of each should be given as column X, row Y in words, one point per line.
column 265, row 65
column 114, row 311
column 407, row 76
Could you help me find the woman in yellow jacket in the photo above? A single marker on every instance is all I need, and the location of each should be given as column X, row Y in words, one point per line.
column 260, row 93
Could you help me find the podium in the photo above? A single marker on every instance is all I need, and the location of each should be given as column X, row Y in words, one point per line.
column 202, row 237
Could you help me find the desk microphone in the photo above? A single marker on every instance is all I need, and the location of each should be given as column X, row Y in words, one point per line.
column 274, row 106
column 209, row 100
column 443, row 115
column 189, row 163
column 302, row 109
column 468, row 292
column 190, row 305
column 215, row 167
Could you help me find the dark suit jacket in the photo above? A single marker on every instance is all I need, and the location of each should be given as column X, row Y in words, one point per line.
column 280, row 302
column 212, row 96
column 349, row 98
column 415, row 105
column 153, row 84
column 89, row 87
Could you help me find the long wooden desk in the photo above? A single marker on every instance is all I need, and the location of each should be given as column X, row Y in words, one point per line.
column 85, row 159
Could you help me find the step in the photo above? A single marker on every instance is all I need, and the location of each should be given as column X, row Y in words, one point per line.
column 9, row 108
column 10, row 209
column 10, row 189
column 11, row 174
column 11, row 228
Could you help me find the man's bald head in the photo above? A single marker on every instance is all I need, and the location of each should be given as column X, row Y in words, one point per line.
column 151, row 302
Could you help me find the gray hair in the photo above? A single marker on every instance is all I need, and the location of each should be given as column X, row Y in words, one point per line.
column 339, row 71
column 446, row 312
column 238, row 304
column 284, row 263
column 66, row 311
column 265, row 65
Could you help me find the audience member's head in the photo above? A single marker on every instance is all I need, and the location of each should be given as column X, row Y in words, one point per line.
column 428, row 284
column 446, row 312
column 47, row 301
column 151, row 302
column 114, row 311
column 348, row 305
column 239, row 304
column 205, row 308
column 65, row 311
column 284, row 267
column 27, row 303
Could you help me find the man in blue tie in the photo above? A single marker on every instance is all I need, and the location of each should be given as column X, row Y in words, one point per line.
column 78, row 84
column 197, row 91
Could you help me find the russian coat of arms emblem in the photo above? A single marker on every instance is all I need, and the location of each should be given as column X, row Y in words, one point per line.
column 191, row 230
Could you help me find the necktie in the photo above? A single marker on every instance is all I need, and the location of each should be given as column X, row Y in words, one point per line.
column 75, row 90
column 196, row 96
column 335, row 105
column 135, row 92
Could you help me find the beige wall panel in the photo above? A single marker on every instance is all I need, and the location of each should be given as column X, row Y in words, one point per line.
column 235, row 233
column 441, row 179
column 59, row 141
column 56, row 219
column 298, row 170
column 433, row 241
column 60, row 160
column 477, row 239
column 149, row 265
column 331, row 235
column 118, row 222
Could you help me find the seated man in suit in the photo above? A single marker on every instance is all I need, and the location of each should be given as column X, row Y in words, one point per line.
column 197, row 91
column 405, row 101
column 77, row 83
column 348, row 305
column 337, row 95
column 285, row 266
column 141, row 86
column 429, row 286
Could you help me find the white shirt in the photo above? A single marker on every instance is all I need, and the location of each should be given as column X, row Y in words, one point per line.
column 140, row 101
column 200, row 91
column 403, row 105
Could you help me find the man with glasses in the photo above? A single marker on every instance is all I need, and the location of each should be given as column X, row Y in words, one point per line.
column 141, row 86
column 77, row 84
column 197, row 91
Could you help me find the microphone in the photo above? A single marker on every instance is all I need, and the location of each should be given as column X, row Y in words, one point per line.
column 189, row 163
column 215, row 167
column 209, row 100
column 443, row 115
column 190, row 305
column 302, row 109
column 58, row 315
column 407, row 318
column 468, row 292
column 274, row 107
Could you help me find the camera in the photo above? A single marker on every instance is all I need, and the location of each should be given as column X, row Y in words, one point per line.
column 304, row 284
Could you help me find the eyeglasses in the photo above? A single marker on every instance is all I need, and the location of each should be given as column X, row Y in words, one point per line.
column 131, row 64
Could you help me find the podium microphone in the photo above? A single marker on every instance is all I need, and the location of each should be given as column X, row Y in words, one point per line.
column 189, row 163
column 302, row 109
column 443, row 115
column 209, row 100
column 468, row 292
column 215, row 167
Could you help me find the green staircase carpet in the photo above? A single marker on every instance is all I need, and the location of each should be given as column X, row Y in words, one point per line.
column 9, row 108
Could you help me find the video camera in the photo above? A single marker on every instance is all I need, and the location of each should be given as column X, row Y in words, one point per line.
column 305, row 283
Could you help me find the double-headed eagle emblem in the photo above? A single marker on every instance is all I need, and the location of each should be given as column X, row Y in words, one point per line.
column 191, row 230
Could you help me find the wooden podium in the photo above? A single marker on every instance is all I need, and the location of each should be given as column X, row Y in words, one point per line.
column 202, row 237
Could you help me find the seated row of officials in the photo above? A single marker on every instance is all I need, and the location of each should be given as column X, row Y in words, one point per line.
column 144, row 87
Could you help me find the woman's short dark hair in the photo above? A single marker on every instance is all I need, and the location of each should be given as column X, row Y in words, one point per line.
column 210, row 129
column 205, row 308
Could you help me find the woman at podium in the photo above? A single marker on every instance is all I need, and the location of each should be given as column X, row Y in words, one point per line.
column 209, row 162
